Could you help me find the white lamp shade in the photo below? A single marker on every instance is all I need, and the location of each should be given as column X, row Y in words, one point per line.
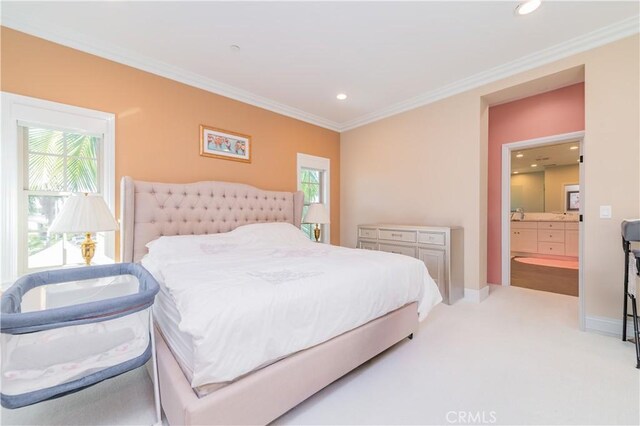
column 84, row 213
column 317, row 213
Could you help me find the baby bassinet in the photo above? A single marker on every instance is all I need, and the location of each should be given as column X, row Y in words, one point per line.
column 60, row 350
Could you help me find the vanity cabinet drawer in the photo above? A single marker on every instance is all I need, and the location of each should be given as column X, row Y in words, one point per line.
column 551, row 225
column 551, row 236
column 397, row 235
column 368, row 245
column 551, row 248
column 437, row 238
column 392, row 248
column 523, row 225
column 368, row 233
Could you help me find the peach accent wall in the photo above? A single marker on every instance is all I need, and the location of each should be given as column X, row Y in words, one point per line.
column 551, row 113
column 429, row 166
column 157, row 120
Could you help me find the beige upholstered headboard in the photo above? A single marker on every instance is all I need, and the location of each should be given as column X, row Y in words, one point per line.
column 150, row 210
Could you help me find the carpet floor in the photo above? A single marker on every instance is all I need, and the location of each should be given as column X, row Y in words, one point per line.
column 516, row 358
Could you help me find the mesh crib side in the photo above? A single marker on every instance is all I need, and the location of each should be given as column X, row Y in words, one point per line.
column 53, row 352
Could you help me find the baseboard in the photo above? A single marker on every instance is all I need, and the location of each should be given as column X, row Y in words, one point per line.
column 476, row 296
column 608, row 326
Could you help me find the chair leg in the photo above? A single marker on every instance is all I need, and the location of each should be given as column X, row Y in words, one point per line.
column 626, row 245
column 636, row 331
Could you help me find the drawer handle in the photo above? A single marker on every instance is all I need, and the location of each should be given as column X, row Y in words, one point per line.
column 396, row 235
column 395, row 252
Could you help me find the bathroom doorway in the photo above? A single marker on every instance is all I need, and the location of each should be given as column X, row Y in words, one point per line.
column 542, row 197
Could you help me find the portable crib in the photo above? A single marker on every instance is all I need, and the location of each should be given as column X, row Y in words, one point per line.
column 56, row 351
column 631, row 233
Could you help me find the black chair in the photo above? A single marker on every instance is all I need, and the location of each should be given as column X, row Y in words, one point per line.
column 631, row 233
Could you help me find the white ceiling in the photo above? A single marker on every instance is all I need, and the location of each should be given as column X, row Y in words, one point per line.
column 544, row 157
column 296, row 56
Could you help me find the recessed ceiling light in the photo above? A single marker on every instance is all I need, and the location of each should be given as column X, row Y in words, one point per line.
column 234, row 48
column 528, row 6
column 515, row 173
column 519, row 155
column 574, row 147
column 341, row 96
column 534, row 165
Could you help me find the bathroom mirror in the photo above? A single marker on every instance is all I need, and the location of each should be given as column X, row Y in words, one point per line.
column 546, row 179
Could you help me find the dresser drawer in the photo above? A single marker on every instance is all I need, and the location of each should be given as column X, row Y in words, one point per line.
column 368, row 233
column 368, row 245
column 392, row 248
column 397, row 235
column 438, row 238
column 551, row 236
column 551, row 248
column 550, row 225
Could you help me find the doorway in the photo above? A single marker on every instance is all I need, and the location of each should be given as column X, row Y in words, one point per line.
column 542, row 199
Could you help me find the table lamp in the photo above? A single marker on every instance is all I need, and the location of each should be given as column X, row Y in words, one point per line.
column 318, row 214
column 84, row 213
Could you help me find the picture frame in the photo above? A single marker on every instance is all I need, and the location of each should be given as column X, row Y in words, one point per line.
column 224, row 144
column 573, row 201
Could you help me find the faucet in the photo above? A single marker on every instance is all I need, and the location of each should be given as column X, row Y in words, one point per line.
column 518, row 210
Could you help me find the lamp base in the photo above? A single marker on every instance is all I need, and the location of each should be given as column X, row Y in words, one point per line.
column 316, row 233
column 88, row 248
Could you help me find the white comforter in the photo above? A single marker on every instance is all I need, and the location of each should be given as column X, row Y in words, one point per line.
column 261, row 292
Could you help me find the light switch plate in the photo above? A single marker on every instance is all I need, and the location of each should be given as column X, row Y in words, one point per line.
column 605, row 212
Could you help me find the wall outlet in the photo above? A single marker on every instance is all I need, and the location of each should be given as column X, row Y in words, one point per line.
column 605, row 212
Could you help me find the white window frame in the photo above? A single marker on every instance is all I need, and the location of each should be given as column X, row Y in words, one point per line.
column 18, row 110
column 308, row 161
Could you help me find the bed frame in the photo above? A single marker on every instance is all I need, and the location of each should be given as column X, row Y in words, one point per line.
column 150, row 210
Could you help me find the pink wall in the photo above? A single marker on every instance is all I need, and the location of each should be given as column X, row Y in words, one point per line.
column 550, row 113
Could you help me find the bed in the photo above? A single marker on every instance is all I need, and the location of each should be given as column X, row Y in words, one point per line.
column 252, row 318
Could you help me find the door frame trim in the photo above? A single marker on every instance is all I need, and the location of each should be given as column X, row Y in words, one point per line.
column 506, row 210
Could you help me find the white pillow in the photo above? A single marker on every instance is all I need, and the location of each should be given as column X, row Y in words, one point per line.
column 257, row 235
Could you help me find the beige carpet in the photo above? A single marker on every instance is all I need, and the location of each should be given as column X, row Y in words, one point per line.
column 516, row 358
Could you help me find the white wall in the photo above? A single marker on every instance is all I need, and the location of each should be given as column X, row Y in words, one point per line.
column 429, row 166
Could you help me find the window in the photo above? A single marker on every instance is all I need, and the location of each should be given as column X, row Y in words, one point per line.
column 313, row 179
column 56, row 163
column 48, row 152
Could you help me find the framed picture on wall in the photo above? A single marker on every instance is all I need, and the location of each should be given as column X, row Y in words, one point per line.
column 572, row 198
column 219, row 143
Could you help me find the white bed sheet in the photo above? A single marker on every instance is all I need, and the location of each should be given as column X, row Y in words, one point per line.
column 254, row 295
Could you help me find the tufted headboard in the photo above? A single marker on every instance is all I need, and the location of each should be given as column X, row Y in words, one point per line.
column 150, row 210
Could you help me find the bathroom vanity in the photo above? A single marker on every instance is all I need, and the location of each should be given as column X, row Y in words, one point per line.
column 544, row 236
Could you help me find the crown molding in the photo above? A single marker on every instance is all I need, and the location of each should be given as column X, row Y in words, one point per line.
column 602, row 36
column 114, row 53
column 65, row 37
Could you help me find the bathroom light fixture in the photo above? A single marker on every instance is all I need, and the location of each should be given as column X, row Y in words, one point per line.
column 573, row 147
column 520, row 155
column 528, row 6
column 515, row 173
column 341, row 96
column 534, row 165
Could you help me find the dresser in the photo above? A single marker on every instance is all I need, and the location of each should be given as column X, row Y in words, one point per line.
column 440, row 248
